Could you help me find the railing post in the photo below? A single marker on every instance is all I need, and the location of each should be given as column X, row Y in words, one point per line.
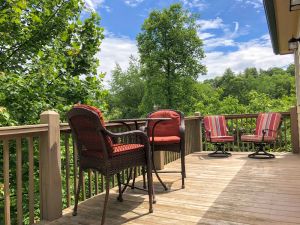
column 295, row 129
column 50, row 168
column 159, row 160
column 198, row 134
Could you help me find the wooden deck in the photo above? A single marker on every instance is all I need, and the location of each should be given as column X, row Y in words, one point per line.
column 236, row 190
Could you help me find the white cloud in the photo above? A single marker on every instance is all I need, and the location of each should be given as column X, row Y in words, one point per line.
column 212, row 43
column 115, row 50
column 211, row 24
column 230, row 32
column 133, row 3
column 205, row 35
column 254, row 53
column 199, row 4
column 256, row 4
column 93, row 5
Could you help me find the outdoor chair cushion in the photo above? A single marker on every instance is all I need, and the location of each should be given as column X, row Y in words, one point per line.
column 165, row 128
column 88, row 137
column 222, row 139
column 268, row 121
column 118, row 149
column 216, row 125
column 166, row 140
column 257, row 138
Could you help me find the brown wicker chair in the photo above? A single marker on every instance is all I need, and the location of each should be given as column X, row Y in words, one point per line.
column 168, row 136
column 96, row 150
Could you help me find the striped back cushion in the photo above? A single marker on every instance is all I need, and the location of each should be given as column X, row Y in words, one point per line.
column 269, row 121
column 216, row 125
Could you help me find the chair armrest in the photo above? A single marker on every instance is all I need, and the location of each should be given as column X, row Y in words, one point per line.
column 136, row 133
column 143, row 129
column 265, row 130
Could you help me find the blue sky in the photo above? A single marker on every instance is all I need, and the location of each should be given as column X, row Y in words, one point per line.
column 234, row 32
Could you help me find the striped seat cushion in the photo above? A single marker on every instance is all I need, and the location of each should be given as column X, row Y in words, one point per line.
column 216, row 129
column 256, row 138
column 221, row 139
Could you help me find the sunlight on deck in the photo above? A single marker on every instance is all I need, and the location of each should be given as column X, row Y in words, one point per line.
column 234, row 190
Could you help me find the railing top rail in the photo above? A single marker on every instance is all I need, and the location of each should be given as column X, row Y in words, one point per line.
column 25, row 129
column 66, row 127
column 248, row 115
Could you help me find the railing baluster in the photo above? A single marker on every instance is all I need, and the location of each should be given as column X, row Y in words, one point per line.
column 31, row 179
column 67, row 152
column 19, row 182
column 6, row 182
column 75, row 155
column 96, row 182
column 83, row 187
column 90, row 183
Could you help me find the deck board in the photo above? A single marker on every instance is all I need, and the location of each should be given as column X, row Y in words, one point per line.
column 230, row 191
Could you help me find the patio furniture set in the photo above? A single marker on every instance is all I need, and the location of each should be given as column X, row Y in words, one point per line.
column 110, row 153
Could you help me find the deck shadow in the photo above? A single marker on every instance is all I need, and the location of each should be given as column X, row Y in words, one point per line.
column 256, row 193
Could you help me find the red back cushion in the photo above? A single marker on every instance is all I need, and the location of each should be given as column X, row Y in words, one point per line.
column 86, row 131
column 269, row 121
column 216, row 125
column 165, row 128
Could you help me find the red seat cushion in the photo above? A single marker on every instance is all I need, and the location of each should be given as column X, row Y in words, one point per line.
column 118, row 149
column 165, row 128
column 222, row 139
column 257, row 138
column 166, row 140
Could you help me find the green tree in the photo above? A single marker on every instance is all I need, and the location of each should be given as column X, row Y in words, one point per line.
column 127, row 88
column 48, row 57
column 170, row 52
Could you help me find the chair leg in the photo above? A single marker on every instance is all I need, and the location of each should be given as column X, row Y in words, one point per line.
column 220, row 152
column 144, row 177
column 107, row 179
column 78, row 192
column 120, row 197
column 150, row 186
column 158, row 177
column 183, row 174
column 134, row 176
column 261, row 153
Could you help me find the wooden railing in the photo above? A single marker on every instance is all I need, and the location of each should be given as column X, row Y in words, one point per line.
column 39, row 164
column 19, row 144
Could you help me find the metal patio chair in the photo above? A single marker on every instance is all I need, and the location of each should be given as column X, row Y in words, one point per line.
column 216, row 132
column 267, row 125
column 168, row 136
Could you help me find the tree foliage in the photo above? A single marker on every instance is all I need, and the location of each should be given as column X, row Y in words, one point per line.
column 126, row 93
column 170, row 52
column 48, row 57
